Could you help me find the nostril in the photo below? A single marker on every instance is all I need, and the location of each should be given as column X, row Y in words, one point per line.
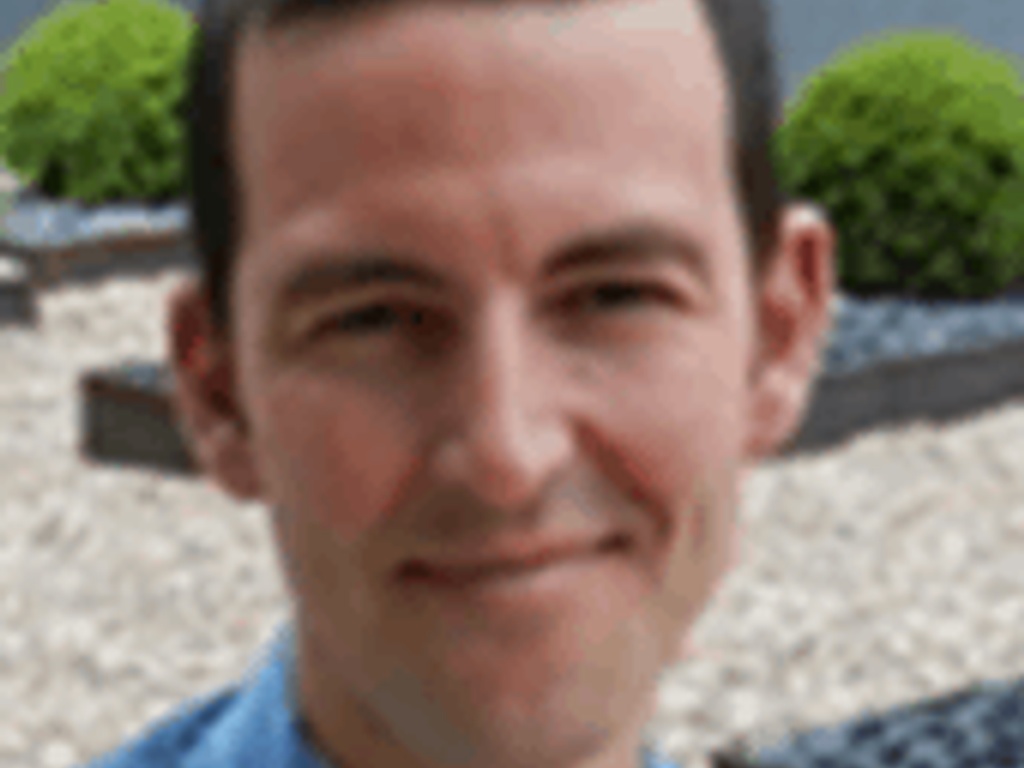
column 414, row 570
column 619, row 542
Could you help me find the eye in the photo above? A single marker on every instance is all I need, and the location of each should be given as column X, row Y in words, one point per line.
column 620, row 296
column 371, row 320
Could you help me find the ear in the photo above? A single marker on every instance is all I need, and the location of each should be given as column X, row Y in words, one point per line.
column 793, row 317
column 205, row 394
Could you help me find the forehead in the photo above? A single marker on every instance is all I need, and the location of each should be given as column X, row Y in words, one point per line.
column 624, row 87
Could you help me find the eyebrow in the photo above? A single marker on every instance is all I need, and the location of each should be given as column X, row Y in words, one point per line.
column 329, row 273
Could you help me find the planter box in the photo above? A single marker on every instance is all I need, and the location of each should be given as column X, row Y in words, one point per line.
column 93, row 260
column 62, row 242
column 128, row 418
column 978, row 726
column 17, row 294
column 936, row 388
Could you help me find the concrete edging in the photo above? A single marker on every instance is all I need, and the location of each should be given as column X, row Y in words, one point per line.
column 85, row 262
column 18, row 305
column 128, row 417
column 937, row 389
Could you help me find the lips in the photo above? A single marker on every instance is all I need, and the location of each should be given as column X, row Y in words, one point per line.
column 508, row 559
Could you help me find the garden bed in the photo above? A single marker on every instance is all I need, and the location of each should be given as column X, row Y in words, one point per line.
column 62, row 242
column 894, row 361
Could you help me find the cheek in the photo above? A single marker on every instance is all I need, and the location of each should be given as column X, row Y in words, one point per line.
column 676, row 423
column 677, row 433
column 675, row 429
column 334, row 454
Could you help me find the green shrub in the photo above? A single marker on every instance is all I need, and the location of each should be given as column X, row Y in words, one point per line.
column 915, row 145
column 91, row 102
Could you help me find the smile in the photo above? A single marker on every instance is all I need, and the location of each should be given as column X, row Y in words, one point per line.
column 506, row 574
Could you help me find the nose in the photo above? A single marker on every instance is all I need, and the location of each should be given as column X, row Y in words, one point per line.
column 508, row 437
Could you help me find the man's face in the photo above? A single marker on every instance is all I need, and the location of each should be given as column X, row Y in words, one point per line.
column 560, row 350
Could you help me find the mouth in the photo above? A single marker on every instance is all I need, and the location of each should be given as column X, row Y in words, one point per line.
column 468, row 574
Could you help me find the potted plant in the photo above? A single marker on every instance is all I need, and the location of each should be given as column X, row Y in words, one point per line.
column 91, row 122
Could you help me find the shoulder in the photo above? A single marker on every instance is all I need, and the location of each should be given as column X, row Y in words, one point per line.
column 251, row 722
column 173, row 741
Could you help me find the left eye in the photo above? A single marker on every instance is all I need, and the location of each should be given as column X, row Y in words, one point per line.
column 619, row 296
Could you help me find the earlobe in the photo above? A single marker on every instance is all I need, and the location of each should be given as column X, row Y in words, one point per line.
column 204, row 396
column 229, row 461
column 794, row 313
column 777, row 411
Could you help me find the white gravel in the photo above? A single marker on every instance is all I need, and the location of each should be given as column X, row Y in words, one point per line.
column 885, row 571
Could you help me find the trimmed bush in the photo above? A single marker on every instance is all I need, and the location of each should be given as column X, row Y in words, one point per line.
column 90, row 107
column 915, row 145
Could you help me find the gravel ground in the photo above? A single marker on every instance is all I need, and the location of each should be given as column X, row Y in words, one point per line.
column 882, row 572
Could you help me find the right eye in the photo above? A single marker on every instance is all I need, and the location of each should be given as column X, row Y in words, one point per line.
column 372, row 320
column 620, row 297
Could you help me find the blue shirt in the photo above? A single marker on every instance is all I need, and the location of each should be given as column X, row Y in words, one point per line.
column 254, row 723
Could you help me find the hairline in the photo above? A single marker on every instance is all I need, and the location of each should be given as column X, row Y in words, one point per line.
column 233, row 26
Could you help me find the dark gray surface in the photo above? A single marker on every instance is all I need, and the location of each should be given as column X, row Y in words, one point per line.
column 128, row 419
column 936, row 389
column 982, row 727
column 18, row 306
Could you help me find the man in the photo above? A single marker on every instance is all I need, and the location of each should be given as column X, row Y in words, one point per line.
column 500, row 305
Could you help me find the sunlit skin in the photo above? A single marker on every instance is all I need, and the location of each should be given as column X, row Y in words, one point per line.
column 629, row 391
